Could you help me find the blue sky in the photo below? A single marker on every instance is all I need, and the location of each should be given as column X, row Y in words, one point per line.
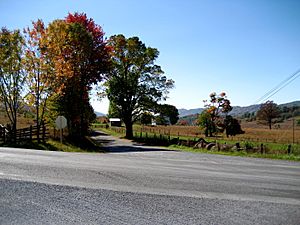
column 242, row 47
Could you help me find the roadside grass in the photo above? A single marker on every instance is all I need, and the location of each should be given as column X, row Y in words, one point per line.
column 50, row 145
column 110, row 132
column 255, row 133
column 242, row 153
column 55, row 145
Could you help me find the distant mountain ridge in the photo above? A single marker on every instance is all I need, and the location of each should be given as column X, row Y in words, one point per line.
column 188, row 112
column 99, row 114
column 236, row 110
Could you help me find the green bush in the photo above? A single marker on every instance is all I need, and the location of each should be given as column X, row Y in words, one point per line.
column 248, row 145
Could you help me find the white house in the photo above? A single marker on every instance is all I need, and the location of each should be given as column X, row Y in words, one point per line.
column 115, row 122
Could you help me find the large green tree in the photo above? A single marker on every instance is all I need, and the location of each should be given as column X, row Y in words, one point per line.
column 146, row 118
column 113, row 111
column 232, row 126
column 12, row 76
column 168, row 114
column 205, row 121
column 135, row 83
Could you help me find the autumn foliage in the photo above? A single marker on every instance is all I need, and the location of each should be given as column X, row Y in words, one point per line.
column 63, row 60
column 215, row 117
column 40, row 74
column 268, row 112
column 81, row 59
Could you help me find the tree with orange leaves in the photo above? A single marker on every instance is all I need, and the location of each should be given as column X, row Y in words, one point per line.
column 80, row 58
column 39, row 71
column 210, row 119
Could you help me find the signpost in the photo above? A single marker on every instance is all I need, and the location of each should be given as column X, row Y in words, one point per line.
column 61, row 123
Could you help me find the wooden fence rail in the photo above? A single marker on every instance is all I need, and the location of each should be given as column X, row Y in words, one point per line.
column 24, row 134
column 3, row 133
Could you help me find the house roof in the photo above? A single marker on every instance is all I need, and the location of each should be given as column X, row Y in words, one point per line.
column 114, row 119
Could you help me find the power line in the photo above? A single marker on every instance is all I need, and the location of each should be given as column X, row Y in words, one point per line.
column 284, row 85
column 276, row 87
column 279, row 87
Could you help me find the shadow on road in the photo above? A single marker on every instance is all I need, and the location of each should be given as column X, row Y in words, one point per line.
column 96, row 133
column 104, row 142
column 111, row 144
column 126, row 149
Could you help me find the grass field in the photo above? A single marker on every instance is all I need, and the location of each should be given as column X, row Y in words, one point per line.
column 186, row 143
column 275, row 142
column 282, row 133
column 22, row 120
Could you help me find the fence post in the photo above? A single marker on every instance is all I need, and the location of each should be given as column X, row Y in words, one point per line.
column 44, row 132
column 262, row 148
column 4, row 135
column 289, row 150
column 30, row 133
column 23, row 136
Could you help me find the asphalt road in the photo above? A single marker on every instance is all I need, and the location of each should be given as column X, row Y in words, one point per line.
column 141, row 185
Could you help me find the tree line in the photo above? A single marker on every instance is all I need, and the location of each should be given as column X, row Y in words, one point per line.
column 215, row 118
column 54, row 67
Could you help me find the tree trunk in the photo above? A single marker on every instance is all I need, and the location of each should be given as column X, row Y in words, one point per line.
column 129, row 130
column 14, row 127
column 38, row 107
column 37, row 118
column 270, row 124
column 206, row 132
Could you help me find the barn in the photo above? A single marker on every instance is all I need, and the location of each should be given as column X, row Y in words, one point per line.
column 115, row 122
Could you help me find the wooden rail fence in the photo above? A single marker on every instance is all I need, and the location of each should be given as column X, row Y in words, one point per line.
column 24, row 134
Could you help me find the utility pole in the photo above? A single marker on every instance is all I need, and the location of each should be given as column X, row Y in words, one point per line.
column 293, row 126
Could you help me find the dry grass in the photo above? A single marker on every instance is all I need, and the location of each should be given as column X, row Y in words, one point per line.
column 22, row 121
column 282, row 133
column 189, row 131
column 265, row 135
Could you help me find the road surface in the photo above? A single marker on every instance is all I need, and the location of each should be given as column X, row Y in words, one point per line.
column 133, row 184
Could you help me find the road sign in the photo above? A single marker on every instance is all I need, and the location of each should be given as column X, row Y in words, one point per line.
column 61, row 122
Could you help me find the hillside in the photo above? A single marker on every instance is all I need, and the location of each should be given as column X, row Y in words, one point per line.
column 190, row 116
column 236, row 110
column 239, row 111
column 99, row 114
column 187, row 112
